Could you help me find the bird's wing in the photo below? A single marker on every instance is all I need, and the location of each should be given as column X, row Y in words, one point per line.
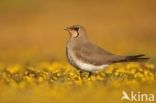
column 93, row 54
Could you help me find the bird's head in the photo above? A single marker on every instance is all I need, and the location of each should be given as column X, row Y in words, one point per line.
column 76, row 31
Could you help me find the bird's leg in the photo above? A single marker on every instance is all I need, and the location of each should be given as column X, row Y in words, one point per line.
column 81, row 72
column 90, row 74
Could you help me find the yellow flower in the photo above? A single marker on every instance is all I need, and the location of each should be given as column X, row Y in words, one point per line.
column 109, row 70
column 14, row 68
column 149, row 65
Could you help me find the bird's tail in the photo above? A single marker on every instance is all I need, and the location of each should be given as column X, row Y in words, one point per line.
column 136, row 58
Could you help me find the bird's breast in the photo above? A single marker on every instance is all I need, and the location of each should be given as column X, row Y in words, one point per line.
column 70, row 55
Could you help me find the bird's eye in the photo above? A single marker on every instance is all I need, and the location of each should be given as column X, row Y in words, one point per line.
column 76, row 29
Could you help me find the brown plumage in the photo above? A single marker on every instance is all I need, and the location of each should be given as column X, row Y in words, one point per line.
column 83, row 54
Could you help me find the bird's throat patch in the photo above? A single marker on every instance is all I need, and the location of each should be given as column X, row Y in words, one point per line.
column 74, row 33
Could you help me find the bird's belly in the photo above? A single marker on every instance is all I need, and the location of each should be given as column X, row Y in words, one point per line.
column 90, row 67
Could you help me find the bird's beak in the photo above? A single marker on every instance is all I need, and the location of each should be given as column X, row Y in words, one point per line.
column 66, row 29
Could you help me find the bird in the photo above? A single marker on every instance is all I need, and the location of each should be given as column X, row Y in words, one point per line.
column 86, row 56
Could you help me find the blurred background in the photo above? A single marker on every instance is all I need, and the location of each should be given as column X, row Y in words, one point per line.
column 32, row 30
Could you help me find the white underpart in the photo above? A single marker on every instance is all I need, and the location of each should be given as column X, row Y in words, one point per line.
column 90, row 67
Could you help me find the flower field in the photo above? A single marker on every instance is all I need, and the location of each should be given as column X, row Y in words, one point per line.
column 55, row 82
column 33, row 64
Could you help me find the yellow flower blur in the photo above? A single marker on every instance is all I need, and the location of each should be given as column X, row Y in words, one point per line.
column 61, row 83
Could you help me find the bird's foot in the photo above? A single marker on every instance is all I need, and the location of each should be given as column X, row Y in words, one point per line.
column 90, row 74
column 84, row 74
